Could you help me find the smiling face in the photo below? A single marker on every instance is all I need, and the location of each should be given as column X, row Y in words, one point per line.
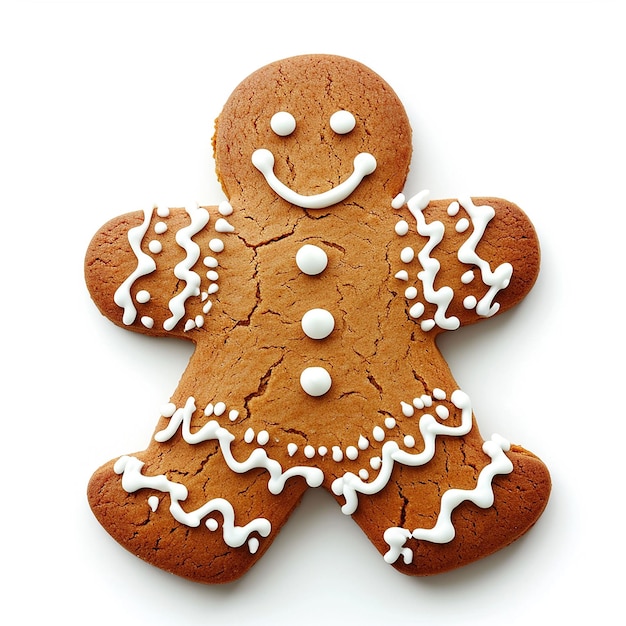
column 313, row 132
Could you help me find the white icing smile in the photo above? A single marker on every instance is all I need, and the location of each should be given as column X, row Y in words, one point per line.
column 364, row 164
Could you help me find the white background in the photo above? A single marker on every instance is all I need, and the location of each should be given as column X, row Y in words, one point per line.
column 108, row 107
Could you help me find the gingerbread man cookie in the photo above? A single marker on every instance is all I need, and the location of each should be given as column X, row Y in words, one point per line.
column 314, row 297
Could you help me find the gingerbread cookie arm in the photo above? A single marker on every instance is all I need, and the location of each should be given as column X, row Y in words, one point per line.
column 495, row 254
column 159, row 271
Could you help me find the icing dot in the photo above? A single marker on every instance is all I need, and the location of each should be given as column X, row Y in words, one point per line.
column 462, row 225
column 322, row 450
column 470, row 302
column 148, row 322
column 168, row 410
column 199, row 320
column 409, row 441
column 216, row 245
column 143, row 296
column 439, row 394
column 402, row 275
column 363, row 444
column 220, row 407
column 225, row 207
column 211, row 524
column 311, row 260
column 398, row 201
column 342, row 122
column 253, row 545
column 207, row 307
column 209, row 410
column 402, row 228
column 390, row 422
column 233, row 415
column 190, row 325
column 379, row 433
column 453, row 209
column 163, row 211
column 212, row 275
column 318, row 323
column 222, row 226
column 292, row 448
column 428, row 325
column 418, row 403
column 213, row 288
column 352, row 452
column 309, row 452
column 416, row 310
column 160, row 228
column 407, row 409
column 375, row 463
column 364, row 474
column 155, row 246
column 248, row 436
column 153, row 502
column 407, row 255
column 316, row 381
column 468, row 277
column 337, row 454
column 210, row 261
column 442, row 412
column 283, row 123
column 263, row 437
column 410, row 293
column 427, row 400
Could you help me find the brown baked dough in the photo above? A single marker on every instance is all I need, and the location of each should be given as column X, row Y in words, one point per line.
column 242, row 437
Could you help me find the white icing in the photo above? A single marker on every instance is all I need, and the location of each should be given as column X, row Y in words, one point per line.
column 402, row 228
column 497, row 279
column 398, row 201
column 234, row 536
column 311, row 260
column 342, row 122
column 481, row 495
column 316, row 381
column 145, row 265
column 143, row 296
column 442, row 297
column 364, row 164
column 199, row 219
column 216, row 245
column 257, row 459
column 318, row 323
column 223, row 226
column 283, row 123
column 155, row 246
column 225, row 208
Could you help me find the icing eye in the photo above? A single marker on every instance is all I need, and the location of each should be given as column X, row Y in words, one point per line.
column 283, row 123
column 342, row 122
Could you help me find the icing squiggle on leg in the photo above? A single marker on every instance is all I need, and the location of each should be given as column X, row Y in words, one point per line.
column 443, row 531
column 234, row 536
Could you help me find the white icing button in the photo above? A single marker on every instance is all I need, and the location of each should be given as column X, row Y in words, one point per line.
column 219, row 409
column 311, row 260
column 222, row 226
column 379, row 433
column 163, row 211
column 318, row 323
column 410, row 293
column 153, row 501
column 292, row 448
column 309, row 452
column 315, row 381
column 337, row 454
column 160, row 228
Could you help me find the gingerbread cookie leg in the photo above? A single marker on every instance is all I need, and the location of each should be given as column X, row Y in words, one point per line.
column 211, row 530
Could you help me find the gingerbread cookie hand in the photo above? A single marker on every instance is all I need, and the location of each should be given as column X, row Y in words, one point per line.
column 314, row 297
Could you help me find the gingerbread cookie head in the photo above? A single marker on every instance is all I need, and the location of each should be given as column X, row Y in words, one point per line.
column 314, row 296
column 322, row 131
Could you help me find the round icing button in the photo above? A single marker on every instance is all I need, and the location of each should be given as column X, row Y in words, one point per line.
column 315, row 381
column 342, row 122
column 318, row 323
column 311, row 260
column 283, row 123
